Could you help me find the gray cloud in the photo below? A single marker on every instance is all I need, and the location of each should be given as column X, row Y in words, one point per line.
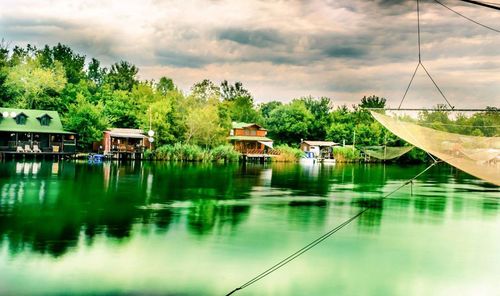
column 339, row 48
column 257, row 38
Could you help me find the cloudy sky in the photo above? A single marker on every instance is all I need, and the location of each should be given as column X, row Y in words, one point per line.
column 280, row 49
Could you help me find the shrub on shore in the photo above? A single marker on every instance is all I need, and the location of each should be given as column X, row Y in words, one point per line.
column 346, row 154
column 193, row 153
column 287, row 154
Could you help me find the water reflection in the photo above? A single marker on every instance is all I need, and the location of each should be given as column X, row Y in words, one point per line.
column 47, row 207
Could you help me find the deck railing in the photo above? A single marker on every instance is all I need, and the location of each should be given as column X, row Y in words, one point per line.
column 53, row 147
column 259, row 151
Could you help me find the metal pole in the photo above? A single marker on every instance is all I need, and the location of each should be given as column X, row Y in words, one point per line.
column 353, row 140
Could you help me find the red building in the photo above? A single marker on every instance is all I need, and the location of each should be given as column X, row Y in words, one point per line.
column 123, row 140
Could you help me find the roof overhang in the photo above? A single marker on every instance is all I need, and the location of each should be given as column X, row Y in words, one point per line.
column 127, row 135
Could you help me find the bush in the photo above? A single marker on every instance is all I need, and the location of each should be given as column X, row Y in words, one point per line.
column 194, row 153
column 225, row 153
column 346, row 154
column 287, row 154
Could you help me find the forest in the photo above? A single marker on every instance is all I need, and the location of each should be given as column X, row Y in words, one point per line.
column 91, row 97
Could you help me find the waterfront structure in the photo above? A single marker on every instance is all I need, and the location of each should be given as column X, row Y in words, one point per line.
column 318, row 149
column 250, row 139
column 123, row 143
column 29, row 131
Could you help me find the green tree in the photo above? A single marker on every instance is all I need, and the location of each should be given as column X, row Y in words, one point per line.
column 122, row 110
column 372, row 102
column 320, row 109
column 72, row 63
column 4, row 71
column 122, row 76
column 203, row 126
column 95, row 73
column 231, row 92
column 34, row 87
column 265, row 109
column 203, row 91
column 241, row 109
column 87, row 120
column 165, row 85
column 290, row 123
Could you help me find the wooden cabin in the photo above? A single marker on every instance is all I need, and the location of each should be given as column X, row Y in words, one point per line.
column 249, row 138
column 318, row 149
column 28, row 131
column 123, row 143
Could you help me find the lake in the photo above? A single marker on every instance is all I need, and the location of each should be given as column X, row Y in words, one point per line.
column 192, row 229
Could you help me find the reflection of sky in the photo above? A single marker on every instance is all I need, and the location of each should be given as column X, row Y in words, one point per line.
column 442, row 240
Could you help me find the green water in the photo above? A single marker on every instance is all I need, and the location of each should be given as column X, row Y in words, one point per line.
column 166, row 229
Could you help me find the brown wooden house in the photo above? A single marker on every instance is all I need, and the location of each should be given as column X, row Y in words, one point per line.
column 125, row 140
column 249, row 138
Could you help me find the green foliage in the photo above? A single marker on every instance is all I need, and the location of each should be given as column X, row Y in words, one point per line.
column 265, row 109
column 72, row 63
column 122, row 76
column 122, row 110
column 241, row 109
column 289, row 123
column 346, row 154
column 231, row 92
column 372, row 102
column 225, row 153
column 205, row 90
column 194, row 153
column 287, row 154
column 95, row 73
column 320, row 110
column 87, row 120
column 203, row 126
column 34, row 87
column 165, row 85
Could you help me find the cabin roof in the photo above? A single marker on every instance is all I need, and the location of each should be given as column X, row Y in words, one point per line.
column 245, row 125
column 33, row 125
column 250, row 138
column 321, row 143
column 126, row 133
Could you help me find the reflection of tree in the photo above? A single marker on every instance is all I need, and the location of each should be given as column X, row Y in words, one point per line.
column 303, row 180
column 307, row 213
column 47, row 216
column 371, row 219
column 49, row 212
column 205, row 215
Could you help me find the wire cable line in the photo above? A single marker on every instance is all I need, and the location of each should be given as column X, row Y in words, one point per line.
column 467, row 18
column 324, row 236
column 482, row 3
column 421, row 64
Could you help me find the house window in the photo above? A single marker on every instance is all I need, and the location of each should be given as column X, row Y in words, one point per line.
column 250, row 132
column 44, row 120
column 21, row 119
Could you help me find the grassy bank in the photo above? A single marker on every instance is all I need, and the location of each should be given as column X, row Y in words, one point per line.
column 193, row 153
column 287, row 154
column 346, row 154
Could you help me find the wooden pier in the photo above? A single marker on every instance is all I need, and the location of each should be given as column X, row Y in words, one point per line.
column 35, row 155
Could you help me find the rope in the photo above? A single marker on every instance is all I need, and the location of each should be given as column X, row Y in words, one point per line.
column 467, row 18
column 485, row 4
column 322, row 237
column 435, row 84
column 421, row 64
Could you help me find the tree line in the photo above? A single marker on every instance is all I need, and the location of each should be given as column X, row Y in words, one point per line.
column 91, row 98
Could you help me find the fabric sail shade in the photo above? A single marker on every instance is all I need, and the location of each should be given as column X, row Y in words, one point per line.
column 476, row 155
